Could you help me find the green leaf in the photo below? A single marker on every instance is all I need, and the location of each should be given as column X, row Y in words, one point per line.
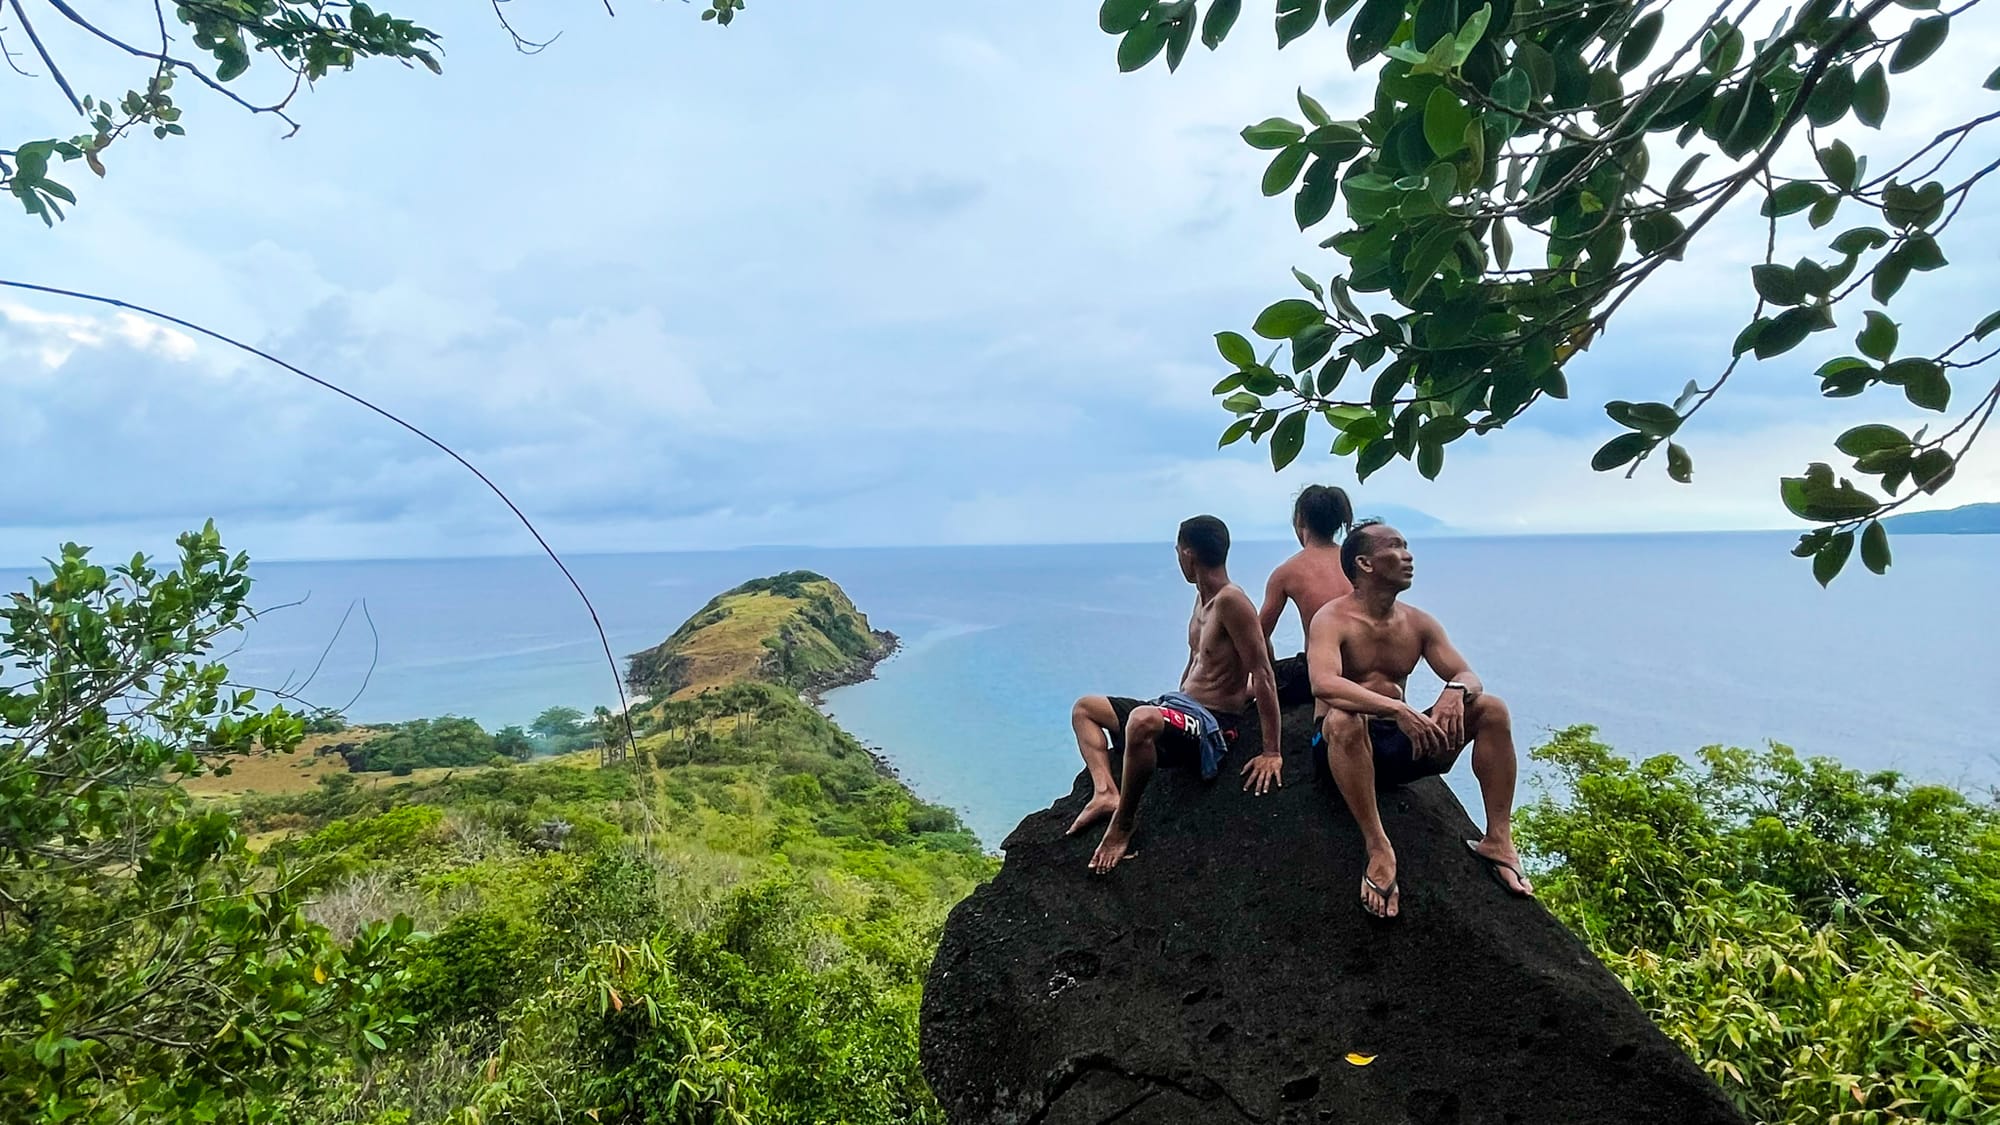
column 1235, row 432
column 1180, row 32
column 1316, row 196
column 1837, row 161
column 1221, row 17
column 1919, row 43
column 1877, row 340
column 1871, row 438
column 1273, row 132
column 1871, row 97
column 1503, row 244
column 1284, row 168
column 1860, row 239
column 1987, row 327
column 1875, row 547
column 1241, row 403
column 1116, row 17
column 1620, row 451
column 1430, row 460
column 1373, row 456
column 1680, row 466
column 1924, row 382
column 1933, row 470
column 1829, row 559
column 1141, row 45
column 1793, row 197
column 1922, row 253
column 1308, row 284
column 1311, row 346
column 1374, row 25
column 1469, row 35
column 1890, row 273
column 1656, row 232
column 1992, row 80
column 1290, row 436
column 1777, row 284
column 1638, row 42
column 1235, row 349
column 1295, row 18
column 1287, row 318
column 1315, row 112
column 1787, row 330
column 1514, row 90
column 1832, row 97
column 1445, row 119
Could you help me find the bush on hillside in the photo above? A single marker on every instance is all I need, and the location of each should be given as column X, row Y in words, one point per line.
column 1823, row 941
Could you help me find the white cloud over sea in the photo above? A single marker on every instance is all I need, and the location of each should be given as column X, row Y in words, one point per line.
column 841, row 275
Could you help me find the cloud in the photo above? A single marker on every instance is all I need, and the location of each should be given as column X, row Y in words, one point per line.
column 835, row 278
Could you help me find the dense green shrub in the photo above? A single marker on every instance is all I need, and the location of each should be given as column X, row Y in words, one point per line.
column 1821, row 940
column 446, row 741
column 470, row 970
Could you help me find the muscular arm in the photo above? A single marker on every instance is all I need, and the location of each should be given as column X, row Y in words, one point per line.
column 1445, row 659
column 1239, row 620
column 1274, row 603
column 1329, row 680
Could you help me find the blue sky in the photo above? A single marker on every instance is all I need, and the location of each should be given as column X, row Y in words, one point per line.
column 859, row 274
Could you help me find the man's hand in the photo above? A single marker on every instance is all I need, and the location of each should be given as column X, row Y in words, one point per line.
column 1426, row 737
column 1449, row 715
column 1263, row 772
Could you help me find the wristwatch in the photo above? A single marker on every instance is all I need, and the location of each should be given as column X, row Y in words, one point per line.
column 1462, row 687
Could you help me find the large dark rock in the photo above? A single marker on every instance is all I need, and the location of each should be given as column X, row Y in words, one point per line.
column 1225, row 972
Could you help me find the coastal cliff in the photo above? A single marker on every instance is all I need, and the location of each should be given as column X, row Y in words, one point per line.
column 1226, row 973
column 797, row 629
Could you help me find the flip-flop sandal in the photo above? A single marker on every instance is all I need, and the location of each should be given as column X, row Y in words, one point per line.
column 1382, row 896
column 1493, row 868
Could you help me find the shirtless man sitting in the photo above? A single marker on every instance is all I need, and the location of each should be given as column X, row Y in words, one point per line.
column 1228, row 666
column 1309, row 579
column 1362, row 649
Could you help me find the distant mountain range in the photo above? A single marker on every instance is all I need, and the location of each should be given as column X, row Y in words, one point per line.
column 1970, row 519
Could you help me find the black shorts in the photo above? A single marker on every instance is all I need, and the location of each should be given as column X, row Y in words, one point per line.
column 1396, row 763
column 1179, row 746
column 1294, row 681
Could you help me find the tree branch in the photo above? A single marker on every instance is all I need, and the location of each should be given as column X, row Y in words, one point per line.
column 54, row 70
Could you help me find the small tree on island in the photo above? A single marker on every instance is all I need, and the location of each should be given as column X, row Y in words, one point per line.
column 1548, row 127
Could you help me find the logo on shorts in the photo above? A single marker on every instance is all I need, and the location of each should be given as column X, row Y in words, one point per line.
column 1181, row 719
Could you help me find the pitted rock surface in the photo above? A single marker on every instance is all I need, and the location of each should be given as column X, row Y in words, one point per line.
column 1225, row 971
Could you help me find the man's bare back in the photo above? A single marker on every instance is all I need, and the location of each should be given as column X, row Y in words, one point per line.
column 1309, row 580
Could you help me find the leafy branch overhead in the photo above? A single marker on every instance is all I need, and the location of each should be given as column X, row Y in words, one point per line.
column 1525, row 168
column 211, row 42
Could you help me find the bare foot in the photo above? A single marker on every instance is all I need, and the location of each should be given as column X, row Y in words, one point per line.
column 1117, row 839
column 1101, row 805
column 1507, row 863
column 1380, row 895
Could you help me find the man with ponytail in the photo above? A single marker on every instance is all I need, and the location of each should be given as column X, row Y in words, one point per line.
column 1321, row 516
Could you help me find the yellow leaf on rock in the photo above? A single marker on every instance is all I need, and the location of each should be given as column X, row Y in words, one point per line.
column 1359, row 1059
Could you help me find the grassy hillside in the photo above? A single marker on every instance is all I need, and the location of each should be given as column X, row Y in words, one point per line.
column 797, row 629
column 732, row 927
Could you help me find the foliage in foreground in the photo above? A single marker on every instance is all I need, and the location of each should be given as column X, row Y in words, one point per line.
column 149, row 970
column 1825, row 943
column 731, row 927
column 1609, row 139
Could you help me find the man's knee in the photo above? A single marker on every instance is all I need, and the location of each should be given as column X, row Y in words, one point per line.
column 1345, row 733
column 1144, row 725
column 1489, row 712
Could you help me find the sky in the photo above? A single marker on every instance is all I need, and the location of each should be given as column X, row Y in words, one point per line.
column 841, row 275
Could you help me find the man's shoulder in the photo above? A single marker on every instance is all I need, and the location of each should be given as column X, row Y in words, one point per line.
column 1417, row 617
column 1332, row 614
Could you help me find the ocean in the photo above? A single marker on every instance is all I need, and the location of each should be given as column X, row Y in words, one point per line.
column 1665, row 643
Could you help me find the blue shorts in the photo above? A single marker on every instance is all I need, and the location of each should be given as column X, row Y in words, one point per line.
column 1396, row 762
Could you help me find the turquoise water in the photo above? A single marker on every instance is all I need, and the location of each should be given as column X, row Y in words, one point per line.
column 1666, row 643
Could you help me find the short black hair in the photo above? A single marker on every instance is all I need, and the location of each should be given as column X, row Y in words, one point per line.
column 1208, row 538
column 1323, row 510
column 1357, row 542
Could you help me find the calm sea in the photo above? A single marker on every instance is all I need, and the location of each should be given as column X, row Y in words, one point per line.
column 1666, row 643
